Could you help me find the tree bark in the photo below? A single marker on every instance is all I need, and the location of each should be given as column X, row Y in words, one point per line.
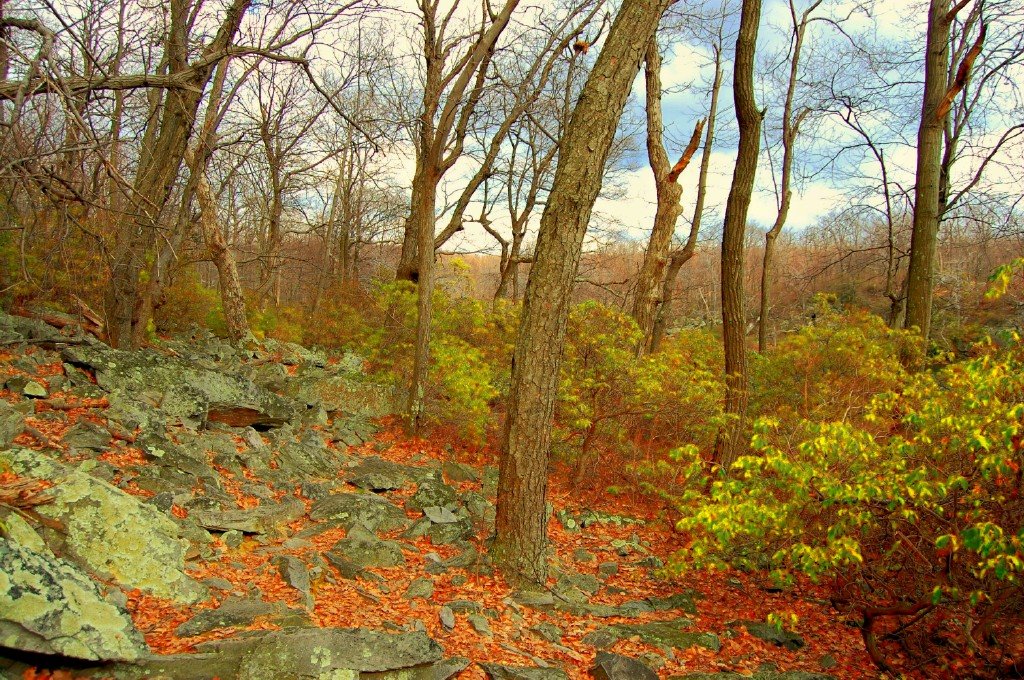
column 651, row 278
column 157, row 173
column 231, row 295
column 521, row 527
column 682, row 256
column 921, row 272
column 790, row 130
column 728, row 446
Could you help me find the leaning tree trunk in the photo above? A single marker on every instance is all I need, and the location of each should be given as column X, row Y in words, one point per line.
column 158, row 171
column 683, row 256
column 790, row 130
column 651, row 278
column 920, row 275
column 521, row 527
column 728, row 446
column 231, row 295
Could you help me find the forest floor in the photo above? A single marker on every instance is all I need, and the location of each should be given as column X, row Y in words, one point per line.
column 621, row 558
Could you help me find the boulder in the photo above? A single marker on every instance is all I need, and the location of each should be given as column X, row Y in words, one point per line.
column 433, row 493
column 12, row 423
column 609, row 666
column 499, row 672
column 240, row 611
column 361, row 549
column 48, row 606
column 263, row 519
column 769, row 632
column 330, row 652
column 186, row 390
column 664, row 634
column 376, row 474
column 366, row 509
column 109, row 533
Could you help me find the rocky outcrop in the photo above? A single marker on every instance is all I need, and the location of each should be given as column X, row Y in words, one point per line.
column 183, row 390
column 109, row 533
column 48, row 606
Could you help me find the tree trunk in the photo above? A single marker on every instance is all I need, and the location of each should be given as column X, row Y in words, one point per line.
column 728, row 446
column 651, row 278
column 157, row 173
column 683, row 256
column 790, row 130
column 521, row 526
column 920, row 275
column 424, row 194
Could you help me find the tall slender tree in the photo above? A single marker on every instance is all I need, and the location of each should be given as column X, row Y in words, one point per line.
column 651, row 278
column 728, row 446
column 790, row 130
column 521, row 527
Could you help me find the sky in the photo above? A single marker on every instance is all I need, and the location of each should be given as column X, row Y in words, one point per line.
column 687, row 71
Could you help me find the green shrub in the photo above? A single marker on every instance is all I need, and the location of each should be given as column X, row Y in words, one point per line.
column 917, row 509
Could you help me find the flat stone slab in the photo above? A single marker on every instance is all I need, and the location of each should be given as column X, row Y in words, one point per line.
column 48, row 606
column 108, row 532
column 259, row 520
column 499, row 672
column 240, row 611
column 665, row 634
column 367, row 509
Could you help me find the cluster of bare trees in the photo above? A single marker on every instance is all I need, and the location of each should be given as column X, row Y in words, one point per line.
column 263, row 139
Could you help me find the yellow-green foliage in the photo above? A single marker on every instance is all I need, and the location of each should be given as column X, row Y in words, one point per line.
column 187, row 303
column 923, row 496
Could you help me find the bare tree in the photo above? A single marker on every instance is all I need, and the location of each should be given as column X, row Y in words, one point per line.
column 728, row 445
column 521, row 532
column 651, row 278
column 790, row 123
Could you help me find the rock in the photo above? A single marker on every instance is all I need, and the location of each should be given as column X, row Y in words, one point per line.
column 309, row 457
column 758, row 675
column 440, row 515
column 263, row 519
column 617, row 667
column 87, row 435
column 464, row 606
column 548, row 631
column 422, row 588
column 34, row 390
column 377, row 474
column 48, row 606
column 110, row 533
column 442, row 670
column 293, row 571
column 459, row 472
column 769, row 632
column 186, row 390
column 349, row 394
column 329, row 652
column 498, row 672
column 607, row 569
column 232, row 538
column 369, row 510
column 433, row 493
column 663, row 634
column 447, row 617
column 239, row 611
column 15, row 529
column 583, row 555
column 447, row 534
column 480, row 624
column 363, row 549
column 584, row 582
column 12, row 423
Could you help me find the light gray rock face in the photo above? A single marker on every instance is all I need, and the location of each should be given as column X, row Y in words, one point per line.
column 186, row 391
column 677, row 634
column 335, row 654
column 48, row 606
column 12, row 423
column 366, row 509
column 499, row 672
column 265, row 518
column 361, row 549
column 108, row 532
